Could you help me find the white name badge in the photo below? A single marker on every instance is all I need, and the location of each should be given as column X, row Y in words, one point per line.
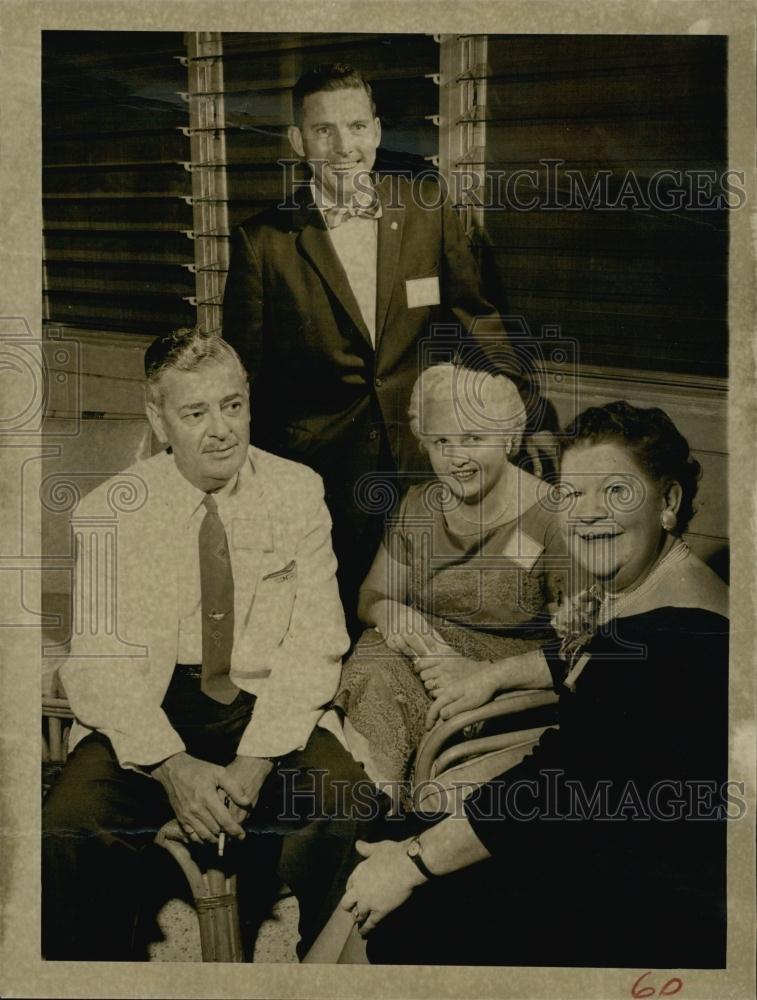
column 422, row 292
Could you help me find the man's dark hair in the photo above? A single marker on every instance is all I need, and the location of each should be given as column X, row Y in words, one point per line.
column 328, row 76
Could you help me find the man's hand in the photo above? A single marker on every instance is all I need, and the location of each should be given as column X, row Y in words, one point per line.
column 245, row 774
column 477, row 689
column 539, row 446
column 406, row 631
column 440, row 673
column 381, row 883
column 192, row 788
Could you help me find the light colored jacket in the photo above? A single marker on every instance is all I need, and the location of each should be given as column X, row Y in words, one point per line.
column 289, row 633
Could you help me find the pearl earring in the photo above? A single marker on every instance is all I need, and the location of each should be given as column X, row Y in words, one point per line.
column 668, row 519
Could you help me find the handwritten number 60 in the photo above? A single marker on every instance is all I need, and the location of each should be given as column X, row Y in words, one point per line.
column 670, row 988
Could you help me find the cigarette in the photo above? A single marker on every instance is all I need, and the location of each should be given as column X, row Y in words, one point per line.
column 222, row 835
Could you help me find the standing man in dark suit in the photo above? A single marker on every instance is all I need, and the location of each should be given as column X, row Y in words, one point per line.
column 331, row 302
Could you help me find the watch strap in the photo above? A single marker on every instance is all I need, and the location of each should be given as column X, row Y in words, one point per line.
column 418, row 860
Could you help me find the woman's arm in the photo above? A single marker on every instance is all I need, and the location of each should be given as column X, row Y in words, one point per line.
column 383, row 604
column 385, row 585
column 515, row 673
column 387, row 877
column 523, row 672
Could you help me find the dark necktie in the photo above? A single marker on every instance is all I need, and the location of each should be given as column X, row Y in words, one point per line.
column 340, row 213
column 217, row 590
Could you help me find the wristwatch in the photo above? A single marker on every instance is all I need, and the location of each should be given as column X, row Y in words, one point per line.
column 415, row 853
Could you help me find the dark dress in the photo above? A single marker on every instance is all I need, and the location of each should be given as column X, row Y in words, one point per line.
column 486, row 593
column 636, row 876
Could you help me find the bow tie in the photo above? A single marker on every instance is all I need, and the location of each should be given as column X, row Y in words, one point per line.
column 340, row 213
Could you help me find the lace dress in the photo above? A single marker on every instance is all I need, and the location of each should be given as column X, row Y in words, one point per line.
column 486, row 593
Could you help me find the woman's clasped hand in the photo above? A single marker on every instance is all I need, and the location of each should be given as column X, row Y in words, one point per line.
column 442, row 673
column 405, row 630
column 465, row 693
column 440, row 667
column 381, row 883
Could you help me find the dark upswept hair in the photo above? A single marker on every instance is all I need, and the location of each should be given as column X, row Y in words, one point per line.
column 184, row 350
column 328, row 76
column 659, row 448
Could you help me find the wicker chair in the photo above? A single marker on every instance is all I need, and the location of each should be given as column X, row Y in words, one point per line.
column 214, row 890
column 475, row 746
column 213, row 887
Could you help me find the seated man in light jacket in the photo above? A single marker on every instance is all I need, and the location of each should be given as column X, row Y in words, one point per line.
column 199, row 698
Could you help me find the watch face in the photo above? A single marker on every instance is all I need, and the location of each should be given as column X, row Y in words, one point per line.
column 414, row 849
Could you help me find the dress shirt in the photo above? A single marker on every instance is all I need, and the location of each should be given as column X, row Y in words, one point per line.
column 289, row 633
column 356, row 243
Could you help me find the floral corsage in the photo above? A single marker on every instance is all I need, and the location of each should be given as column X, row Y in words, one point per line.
column 575, row 622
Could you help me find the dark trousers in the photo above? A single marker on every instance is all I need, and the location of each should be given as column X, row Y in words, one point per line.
column 359, row 509
column 99, row 818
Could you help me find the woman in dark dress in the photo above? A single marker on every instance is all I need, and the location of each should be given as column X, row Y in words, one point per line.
column 605, row 847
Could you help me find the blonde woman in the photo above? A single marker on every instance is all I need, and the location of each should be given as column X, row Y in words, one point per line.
column 468, row 566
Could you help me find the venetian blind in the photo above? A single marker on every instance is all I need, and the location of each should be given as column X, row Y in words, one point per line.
column 259, row 72
column 117, row 186
column 595, row 183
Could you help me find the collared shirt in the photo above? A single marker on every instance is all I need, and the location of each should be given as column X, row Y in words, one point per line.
column 233, row 501
column 356, row 245
column 289, row 633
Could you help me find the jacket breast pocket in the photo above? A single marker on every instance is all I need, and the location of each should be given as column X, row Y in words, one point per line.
column 422, row 272
column 284, row 574
column 274, row 601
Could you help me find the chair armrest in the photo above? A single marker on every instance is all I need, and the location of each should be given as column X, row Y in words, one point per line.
column 485, row 744
column 215, row 896
column 57, row 707
column 55, row 745
column 506, row 704
column 171, row 837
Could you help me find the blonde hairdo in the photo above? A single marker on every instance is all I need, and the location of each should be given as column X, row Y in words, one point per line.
column 486, row 402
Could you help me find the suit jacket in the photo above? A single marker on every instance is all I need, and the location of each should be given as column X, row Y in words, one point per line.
column 289, row 633
column 321, row 393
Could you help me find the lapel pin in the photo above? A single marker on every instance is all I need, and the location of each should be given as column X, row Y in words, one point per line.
column 393, row 225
